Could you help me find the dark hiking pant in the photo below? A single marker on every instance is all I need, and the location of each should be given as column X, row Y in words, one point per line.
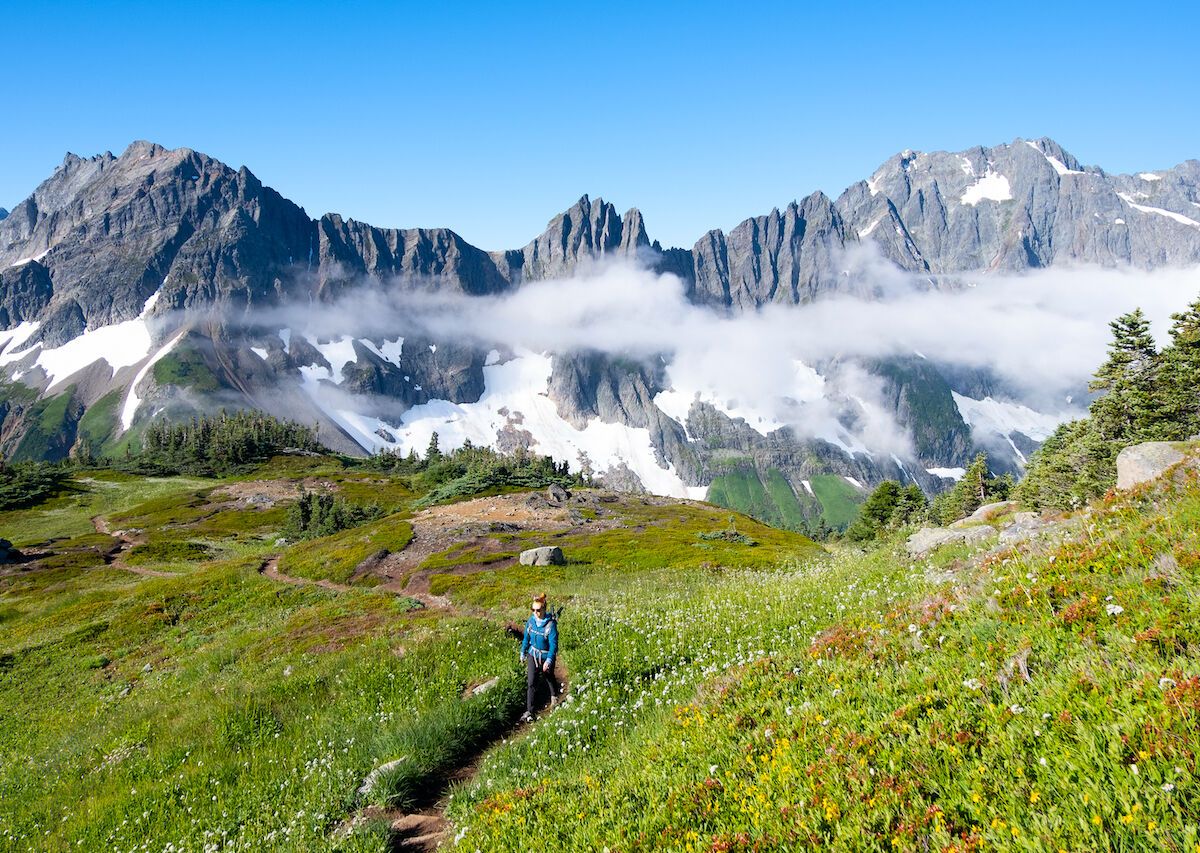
column 533, row 671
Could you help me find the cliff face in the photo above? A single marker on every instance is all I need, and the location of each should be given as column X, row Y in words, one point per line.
column 143, row 247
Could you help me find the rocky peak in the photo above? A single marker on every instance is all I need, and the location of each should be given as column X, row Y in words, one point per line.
column 588, row 230
column 3, row 213
column 111, row 231
column 784, row 256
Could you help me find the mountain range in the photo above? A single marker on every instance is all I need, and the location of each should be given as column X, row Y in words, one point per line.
column 138, row 285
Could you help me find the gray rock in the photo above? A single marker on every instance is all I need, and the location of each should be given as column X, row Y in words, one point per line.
column 547, row 555
column 931, row 538
column 557, row 495
column 928, row 538
column 480, row 689
column 1021, row 530
column 1144, row 462
column 986, row 513
column 373, row 778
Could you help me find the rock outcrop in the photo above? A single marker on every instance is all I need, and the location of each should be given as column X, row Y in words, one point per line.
column 1142, row 463
column 931, row 538
column 547, row 555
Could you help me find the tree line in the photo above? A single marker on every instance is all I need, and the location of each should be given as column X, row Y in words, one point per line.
column 1146, row 394
column 475, row 470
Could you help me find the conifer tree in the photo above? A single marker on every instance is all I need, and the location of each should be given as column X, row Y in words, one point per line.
column 1127, row 380
column 1178, row 415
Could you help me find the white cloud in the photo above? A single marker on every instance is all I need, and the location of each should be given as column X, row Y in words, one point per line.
column 1043, row 333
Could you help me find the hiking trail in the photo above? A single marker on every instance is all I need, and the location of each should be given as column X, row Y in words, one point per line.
column 424, row 826
column 125, row 541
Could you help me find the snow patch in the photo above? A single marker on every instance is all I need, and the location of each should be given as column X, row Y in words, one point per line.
column 992, row 186
column 1178, row 217
column 873, row 184
column 120, row 345
column 1058, row 165
column 338, row 353
column 1149, row 176
column 853, row 481
column 131, row 400
column 866, row 231
column 947, row 473
column 285, row 335
column 519, row 388
column 23, row 261
column 260, row 352
column 15, row 337
column 390, row 351
column 1001, row 419
column 808, row 487
column 1118, row 222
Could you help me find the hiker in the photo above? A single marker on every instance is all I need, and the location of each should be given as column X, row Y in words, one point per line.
column 538, row 648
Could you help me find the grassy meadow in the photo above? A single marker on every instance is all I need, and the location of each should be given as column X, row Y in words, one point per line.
column 733, row 687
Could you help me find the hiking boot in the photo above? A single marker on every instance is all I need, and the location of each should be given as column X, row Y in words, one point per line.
column 525, row 718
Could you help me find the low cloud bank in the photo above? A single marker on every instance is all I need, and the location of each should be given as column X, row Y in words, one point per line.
column 1041, row 333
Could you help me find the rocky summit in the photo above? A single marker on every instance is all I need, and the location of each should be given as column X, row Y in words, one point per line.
column 141, row 285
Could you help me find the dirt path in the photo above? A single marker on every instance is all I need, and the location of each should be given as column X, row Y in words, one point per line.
column 270, row 569
column 425, row 826
column 125, row 541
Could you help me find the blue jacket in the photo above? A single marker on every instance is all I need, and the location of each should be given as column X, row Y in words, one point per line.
column 541, row 638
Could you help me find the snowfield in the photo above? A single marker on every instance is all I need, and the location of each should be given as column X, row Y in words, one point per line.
column 515, row 400
column 992, row 186
column 1170, row 214
column 1000, row 419
column 120, row 345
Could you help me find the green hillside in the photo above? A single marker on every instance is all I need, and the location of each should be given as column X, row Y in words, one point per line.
column 771, row 499
column 176, row 672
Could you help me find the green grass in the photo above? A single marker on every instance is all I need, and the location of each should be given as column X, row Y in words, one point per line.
column 99, row 423
column 336, row 557
column 262, row 709
column 90, row 494
column 839, row 500
column 791, row 514
column 168, row 552
column 723, row 696
column 771, row 500
column 1037, row 701
column 52, row 428
column 185, row 368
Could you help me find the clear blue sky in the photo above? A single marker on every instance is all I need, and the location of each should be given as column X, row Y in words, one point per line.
column 491, row 118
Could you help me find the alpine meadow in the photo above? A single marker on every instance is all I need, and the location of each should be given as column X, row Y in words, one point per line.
column 845, row 496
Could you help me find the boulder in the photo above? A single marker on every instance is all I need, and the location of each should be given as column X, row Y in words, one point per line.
column 986, row 513
column 557, row 495
column 547, row 555
column 930, row 538
column 368, row 785
column 1141, row 463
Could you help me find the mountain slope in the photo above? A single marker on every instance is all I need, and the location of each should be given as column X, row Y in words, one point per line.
column 152, row 276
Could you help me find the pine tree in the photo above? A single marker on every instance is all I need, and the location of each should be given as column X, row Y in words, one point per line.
column 1178, row 391
column 432, row 452
column 876, row 512
column 1127, row 379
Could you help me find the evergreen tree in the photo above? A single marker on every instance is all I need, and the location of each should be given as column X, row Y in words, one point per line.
column 876, row 512
column 1127, row 380
column 432, row 453
column 1178, row 415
